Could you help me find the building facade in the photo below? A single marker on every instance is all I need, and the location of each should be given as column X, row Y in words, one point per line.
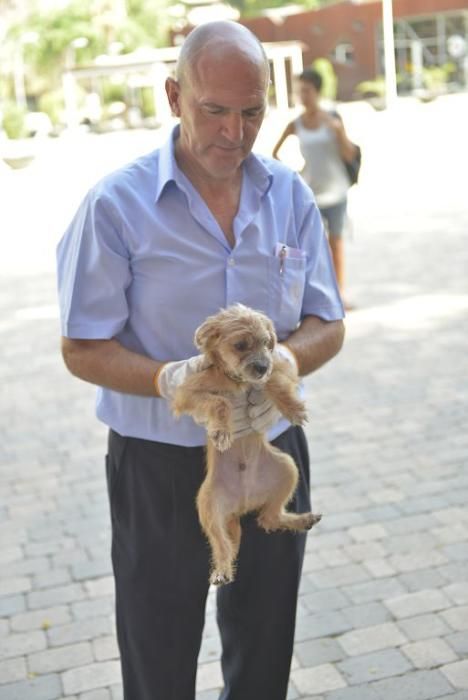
column 429, row 35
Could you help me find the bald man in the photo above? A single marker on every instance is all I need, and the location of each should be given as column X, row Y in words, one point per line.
column 154, row 249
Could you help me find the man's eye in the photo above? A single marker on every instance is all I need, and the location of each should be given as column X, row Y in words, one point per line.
column 241, row 345
column 213, row 109
column 252, row 113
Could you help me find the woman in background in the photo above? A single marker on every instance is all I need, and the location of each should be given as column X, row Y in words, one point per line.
column 324, row 146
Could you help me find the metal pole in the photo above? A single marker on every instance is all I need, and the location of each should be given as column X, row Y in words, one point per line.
column 389, row 53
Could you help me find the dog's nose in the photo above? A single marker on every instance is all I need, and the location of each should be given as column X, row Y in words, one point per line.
column 260, row 368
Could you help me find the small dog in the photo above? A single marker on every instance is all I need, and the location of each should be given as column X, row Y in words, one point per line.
column 246, row 474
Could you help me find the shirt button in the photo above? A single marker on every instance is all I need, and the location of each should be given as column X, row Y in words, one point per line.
column 231, row 262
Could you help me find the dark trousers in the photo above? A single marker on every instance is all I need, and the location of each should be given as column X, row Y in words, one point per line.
column 161, row 566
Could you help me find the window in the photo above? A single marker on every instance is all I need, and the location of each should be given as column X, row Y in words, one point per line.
column 343, row 53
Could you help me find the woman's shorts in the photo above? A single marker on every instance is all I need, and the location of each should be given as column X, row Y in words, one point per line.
column 334, row 218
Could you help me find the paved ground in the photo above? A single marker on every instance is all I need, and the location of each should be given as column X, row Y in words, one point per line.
column 383, row 611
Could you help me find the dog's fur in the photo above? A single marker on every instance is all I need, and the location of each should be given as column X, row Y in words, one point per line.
column 247, row 474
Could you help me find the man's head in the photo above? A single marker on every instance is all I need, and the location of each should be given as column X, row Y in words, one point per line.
column 220, row 96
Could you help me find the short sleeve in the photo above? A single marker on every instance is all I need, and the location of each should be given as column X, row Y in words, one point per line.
column 93, row 272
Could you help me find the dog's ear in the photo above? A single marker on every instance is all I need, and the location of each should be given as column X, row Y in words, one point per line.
column 272, row 333
column 207, row 334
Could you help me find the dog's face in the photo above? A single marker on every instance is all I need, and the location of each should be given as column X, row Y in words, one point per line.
column 240, row 341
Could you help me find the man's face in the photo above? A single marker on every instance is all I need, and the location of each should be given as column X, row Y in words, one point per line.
column 221, row 106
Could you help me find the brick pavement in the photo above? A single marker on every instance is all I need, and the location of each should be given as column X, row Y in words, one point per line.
column 383, row 610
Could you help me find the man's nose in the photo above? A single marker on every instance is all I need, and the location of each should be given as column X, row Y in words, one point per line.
column 233, row 127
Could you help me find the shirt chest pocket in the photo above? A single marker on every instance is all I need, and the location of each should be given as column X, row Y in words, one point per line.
column 287, row 282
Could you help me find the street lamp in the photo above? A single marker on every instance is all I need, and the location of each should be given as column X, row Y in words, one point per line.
column 69, row 85
column 389, row 53
column 79, row 43
column 18, row 67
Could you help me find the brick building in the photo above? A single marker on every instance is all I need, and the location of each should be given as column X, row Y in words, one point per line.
column 428, row 33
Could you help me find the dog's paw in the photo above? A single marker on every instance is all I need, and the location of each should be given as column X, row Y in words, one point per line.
column 219, row 579
column 311, row 519
column 221, row 439
column 298, row 414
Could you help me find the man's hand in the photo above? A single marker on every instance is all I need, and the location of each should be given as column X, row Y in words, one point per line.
column 172, row 374
column 263, row 414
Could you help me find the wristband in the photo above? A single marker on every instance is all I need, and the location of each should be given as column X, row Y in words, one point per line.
column 292, row 353
column 156, row 379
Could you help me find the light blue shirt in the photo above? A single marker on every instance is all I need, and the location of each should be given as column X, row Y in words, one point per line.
column 144, row 261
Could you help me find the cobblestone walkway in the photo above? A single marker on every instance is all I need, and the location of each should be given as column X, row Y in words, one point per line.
column 383, row 611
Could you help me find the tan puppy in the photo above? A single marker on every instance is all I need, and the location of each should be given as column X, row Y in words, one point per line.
column 248, row 473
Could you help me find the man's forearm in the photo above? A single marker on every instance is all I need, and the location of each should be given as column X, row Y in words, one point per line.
column 315, row 342
column 107, row 363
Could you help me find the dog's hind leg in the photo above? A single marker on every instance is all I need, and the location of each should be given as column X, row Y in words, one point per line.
column 272, row 515
column 224, row 551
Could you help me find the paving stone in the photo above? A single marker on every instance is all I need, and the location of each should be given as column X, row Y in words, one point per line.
column 419, row 685
column 370, row 639
column 371, row 667
column 90, row 677
column 379, row 567
column 354, row 692
column 318, row 679
column 55, row 596
column 334, row 557
column 12, row 670
column 92, row 569
column 457, row 618
column 417, row 603
column 54, row 660
column 208, row 695
column 52, row 578
column 340, row 576
column 41, row 688
column 422, row 579
column 209, row 676
column 93, row 608
column 100, row 587
column 210, row 649
column 459, row 642
column 20, row 644
column 330, row 599
column 40, row 619
column 101, row 694
column 318, row 651
column 457, row 673
column 117, row 692
column 105, row 648
column 457, row 592
column 416, row 560
column 429, row 653
column 10, row 605
column 325, row 624
column 365, row 533
column 10, row 586
column 367, row 615
column 80, row 631
column 449, row 534
column 424, row 626
column 378, row 589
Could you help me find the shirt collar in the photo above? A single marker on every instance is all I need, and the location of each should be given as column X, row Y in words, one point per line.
column 255, row 167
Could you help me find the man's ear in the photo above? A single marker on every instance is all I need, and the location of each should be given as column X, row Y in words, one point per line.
column 173, row 94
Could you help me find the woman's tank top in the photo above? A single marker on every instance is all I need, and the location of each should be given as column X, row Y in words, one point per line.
column 324, row 170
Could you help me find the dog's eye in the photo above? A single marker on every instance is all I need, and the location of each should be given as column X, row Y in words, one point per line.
column 241, row 345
